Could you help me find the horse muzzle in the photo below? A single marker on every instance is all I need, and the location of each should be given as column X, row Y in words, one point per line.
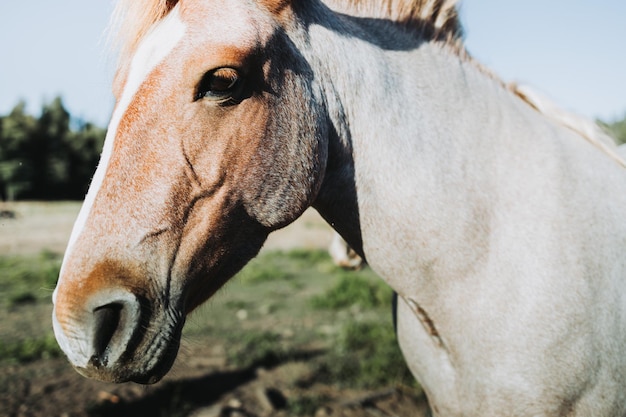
column 117, row 337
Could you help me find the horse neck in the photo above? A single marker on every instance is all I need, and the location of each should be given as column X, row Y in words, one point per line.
column 429, row 139
column 383, row 105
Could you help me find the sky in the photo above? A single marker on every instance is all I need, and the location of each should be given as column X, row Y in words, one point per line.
column 573, row 51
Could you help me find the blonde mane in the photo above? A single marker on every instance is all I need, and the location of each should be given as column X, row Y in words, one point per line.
column 436, row 20
column 433, row 19
column 132, row 20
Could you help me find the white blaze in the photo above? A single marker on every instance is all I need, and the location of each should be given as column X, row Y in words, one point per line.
column 155, row 47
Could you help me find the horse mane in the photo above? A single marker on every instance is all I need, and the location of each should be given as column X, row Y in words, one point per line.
column 436, row 20
column 433, row 20
column 131, row 21
column 586, row 128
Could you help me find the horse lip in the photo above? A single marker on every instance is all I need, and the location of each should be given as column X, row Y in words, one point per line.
column 126, row 374
column 162, row 367
column 99, row 374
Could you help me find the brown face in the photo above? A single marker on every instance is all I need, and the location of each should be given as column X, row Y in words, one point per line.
column 214, row 142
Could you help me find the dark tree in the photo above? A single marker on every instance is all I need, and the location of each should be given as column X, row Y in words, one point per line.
column 46, row 157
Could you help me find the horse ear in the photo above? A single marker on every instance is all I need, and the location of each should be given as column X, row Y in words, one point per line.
column 275, row 6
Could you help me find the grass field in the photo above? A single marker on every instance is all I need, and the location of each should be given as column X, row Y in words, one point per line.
column 37, row 227
column 281, row 302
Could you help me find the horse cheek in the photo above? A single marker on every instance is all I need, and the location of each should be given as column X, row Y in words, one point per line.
column 286, row 173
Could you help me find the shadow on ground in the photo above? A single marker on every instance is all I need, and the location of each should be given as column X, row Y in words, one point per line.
column 181, row 397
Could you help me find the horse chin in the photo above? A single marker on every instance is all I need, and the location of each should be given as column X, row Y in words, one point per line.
column 157, row 373
column 150, row 369
column 133, row 370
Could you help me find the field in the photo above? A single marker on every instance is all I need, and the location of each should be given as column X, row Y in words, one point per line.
column 291, row 335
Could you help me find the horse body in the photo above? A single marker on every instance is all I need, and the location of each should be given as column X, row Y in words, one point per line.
column 501, row 231
column 488, row 222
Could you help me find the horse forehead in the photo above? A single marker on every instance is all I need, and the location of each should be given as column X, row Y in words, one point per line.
column 223, row 31
column 210, row 25
column 225, row 22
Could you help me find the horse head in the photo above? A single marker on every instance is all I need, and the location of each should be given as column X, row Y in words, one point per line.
column 215, row 140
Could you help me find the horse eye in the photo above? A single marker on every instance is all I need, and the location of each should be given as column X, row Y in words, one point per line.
column 219, row 84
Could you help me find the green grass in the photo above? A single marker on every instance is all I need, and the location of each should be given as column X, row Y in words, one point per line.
column 362, row 354
column 352, row 289
column 287, row 296
column 285, row 265
column 28, row 350
column 256, row 348
column 366, row 355
column 297, row 287
column 28, row 279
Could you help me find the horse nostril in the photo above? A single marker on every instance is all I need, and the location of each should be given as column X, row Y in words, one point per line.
column 107, row 320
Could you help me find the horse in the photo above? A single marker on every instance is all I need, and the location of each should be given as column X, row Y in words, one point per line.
column 498, row 222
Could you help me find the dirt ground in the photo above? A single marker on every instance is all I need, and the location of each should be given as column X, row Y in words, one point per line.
column 201, row 383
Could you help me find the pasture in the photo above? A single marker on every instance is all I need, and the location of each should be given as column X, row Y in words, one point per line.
column 291, row 335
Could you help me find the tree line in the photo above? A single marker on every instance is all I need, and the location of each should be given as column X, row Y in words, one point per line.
column 616, row 129
column 51, row 157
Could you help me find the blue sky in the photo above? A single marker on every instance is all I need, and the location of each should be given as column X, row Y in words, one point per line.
column 574, row 51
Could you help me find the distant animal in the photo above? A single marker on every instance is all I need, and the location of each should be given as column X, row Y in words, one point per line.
column 499, row 222
column 343, row 255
